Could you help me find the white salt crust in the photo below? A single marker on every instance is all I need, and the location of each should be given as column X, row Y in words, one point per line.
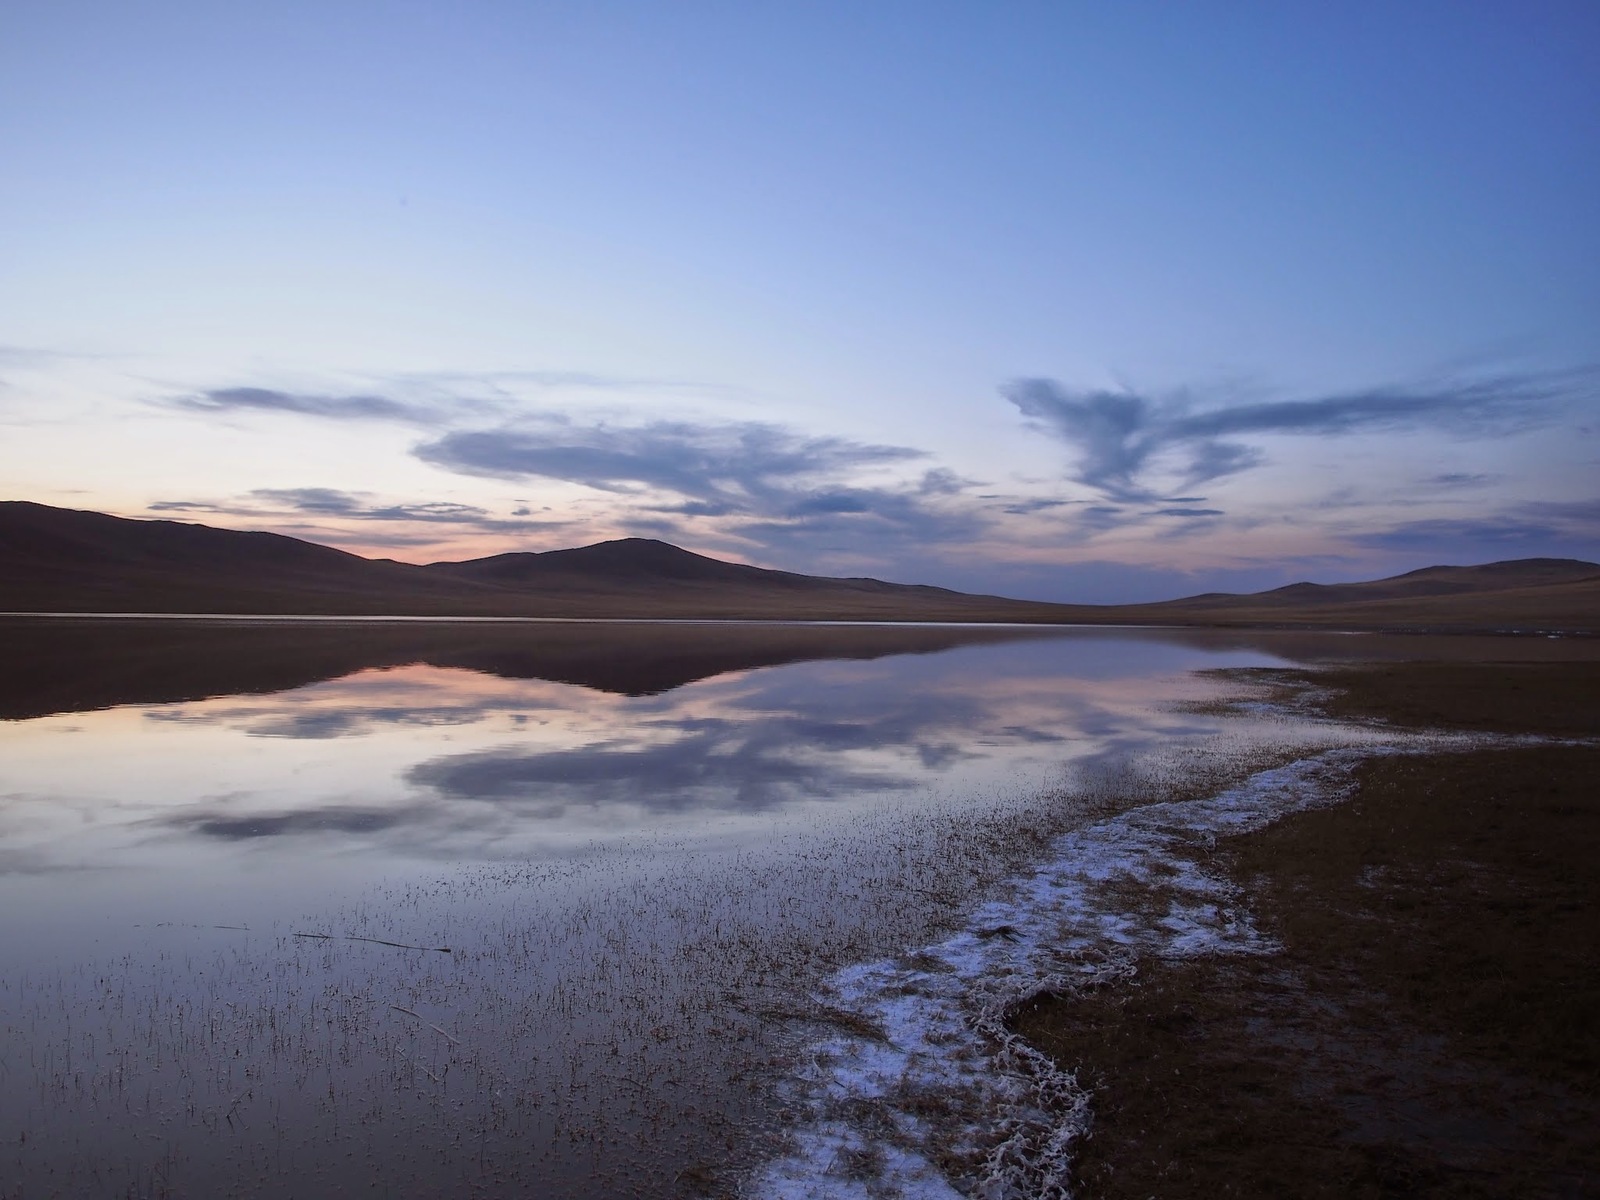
column 947, row 1102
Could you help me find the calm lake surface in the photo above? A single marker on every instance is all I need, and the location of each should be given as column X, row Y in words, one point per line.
column 455, row 908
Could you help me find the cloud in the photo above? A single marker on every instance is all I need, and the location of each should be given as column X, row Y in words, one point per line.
column 1022, row 508
column 565, row 380
column 774, row 746
column 1534, row 529
column 38, row 356
column 316, row 821
column 343, row 504
column 711, row 768
column 320, row 724
column 1118, row 436
column 866, row 742
column 344, row 408
column 763, row 483
column 1579, row 515
column 331, row 502
column 885, row 530
column 738, row 465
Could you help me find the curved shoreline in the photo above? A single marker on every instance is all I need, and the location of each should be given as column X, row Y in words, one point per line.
column 928, row 1085
column 931, row 1089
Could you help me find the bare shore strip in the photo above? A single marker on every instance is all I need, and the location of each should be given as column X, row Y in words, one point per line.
column 1095, row 1028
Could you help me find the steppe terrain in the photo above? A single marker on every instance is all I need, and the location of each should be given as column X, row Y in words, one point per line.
column 1430, row 1025
column 62, row 560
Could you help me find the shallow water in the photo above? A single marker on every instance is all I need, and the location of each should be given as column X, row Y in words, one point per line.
column 417, row 908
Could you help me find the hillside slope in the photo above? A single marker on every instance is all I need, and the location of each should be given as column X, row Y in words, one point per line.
column 1530, row 593
column 63, row 560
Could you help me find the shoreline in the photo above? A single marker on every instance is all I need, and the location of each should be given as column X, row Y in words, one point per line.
column 1420, row 1018
column 924, row 1091
column 971, row 1061
column 1522, row 631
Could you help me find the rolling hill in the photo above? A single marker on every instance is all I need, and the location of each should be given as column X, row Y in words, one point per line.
column 65, row 560
column 70, row 561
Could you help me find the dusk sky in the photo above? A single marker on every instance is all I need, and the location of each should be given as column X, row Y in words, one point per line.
column 1073, row 301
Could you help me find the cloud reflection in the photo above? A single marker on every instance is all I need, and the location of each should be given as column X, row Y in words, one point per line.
column 315, row 821
column 432, row 763
column 744, row 746
column 722, row 767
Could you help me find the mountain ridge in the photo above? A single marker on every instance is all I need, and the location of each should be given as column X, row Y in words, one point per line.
column 71, row 560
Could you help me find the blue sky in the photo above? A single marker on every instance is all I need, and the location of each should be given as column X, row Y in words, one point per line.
column 1079, row 301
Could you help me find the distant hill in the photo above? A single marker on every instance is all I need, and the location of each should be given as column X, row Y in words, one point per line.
column 643, row 565
column 1527, row 594
column 65, row 560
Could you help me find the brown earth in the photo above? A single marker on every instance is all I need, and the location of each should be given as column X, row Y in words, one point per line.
column 1431, row 1026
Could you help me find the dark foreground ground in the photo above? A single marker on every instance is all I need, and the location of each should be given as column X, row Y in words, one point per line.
column 1432, row 1024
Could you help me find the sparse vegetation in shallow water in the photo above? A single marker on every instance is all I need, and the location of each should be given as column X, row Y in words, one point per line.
column 606, row 1018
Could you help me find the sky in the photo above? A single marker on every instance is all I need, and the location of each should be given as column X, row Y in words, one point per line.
column 1077, row 301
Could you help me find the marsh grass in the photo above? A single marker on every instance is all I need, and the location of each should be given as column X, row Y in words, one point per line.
column 601, row 1024
column 639, row 1017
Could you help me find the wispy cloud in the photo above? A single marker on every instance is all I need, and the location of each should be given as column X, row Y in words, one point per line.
column 437, row 400
column 1537, row 528
column 1023, row 508
column 1119, row 436
column 735, row 464
column 558, row 380
column 805, row 500
column 343, row 408
column 331, row 502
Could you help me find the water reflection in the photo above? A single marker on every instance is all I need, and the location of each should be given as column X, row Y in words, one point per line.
column 424, row 762
column 640, row 844
column 73, row 664
column 59, row 665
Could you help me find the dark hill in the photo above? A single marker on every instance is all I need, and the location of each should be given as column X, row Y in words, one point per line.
column 624, row 560
column 1525, row 594
column 63, row 560
column 1429, row 581
column 66, row 560
column 647, row 562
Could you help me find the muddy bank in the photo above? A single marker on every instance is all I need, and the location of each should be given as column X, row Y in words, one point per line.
column 1428, row 1026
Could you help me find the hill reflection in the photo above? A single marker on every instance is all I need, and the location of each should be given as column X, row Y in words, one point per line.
column 464, row 758
column 435, row 760
column 58, row 665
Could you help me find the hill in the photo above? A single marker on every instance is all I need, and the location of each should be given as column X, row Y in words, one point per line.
column 65, row 560
column 1526, row 594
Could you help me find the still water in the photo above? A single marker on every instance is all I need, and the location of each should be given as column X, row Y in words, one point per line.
column 436, row 908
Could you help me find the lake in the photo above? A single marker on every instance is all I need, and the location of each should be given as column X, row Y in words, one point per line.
column 492, row 908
